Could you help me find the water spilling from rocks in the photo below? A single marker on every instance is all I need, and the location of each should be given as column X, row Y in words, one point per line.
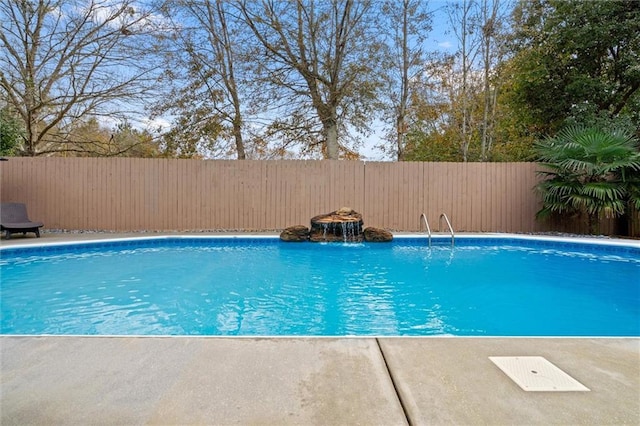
column 343, row 225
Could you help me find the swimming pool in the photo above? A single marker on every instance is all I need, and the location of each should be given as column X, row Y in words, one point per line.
column 250, row 286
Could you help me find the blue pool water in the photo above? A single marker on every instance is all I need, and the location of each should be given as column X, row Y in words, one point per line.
column 250, row 286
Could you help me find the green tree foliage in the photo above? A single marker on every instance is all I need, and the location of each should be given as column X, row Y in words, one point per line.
column 574, row 59
column 11, row 132
column 589, row 171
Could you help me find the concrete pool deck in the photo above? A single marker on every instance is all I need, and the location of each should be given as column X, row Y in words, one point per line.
column 309, row 381
column 306, row 381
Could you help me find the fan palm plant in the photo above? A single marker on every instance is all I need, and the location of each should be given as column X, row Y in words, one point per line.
column 589, row 170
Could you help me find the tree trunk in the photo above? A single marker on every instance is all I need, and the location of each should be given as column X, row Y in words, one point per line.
column 485, row 114
column 225, row 47
column 487, row 34
column 400, row 136
column 404, row 86
column 237, row 133
column 330, row 127
column 465, row 73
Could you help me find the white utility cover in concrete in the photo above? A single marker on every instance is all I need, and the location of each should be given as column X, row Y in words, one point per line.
column 536, row 374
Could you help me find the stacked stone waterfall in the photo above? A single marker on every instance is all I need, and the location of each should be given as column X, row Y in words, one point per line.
column 343, row 225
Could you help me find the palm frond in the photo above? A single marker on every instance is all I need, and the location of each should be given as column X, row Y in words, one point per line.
column 589, row 170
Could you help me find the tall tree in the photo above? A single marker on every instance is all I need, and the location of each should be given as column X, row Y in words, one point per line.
column 207, row 98
column 64, row 60
column 408, row 24
column 491, row 17
column 577, row 59
column 319, row 60
column 463, row 20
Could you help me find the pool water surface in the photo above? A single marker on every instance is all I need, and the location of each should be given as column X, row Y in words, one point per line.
column 264, row 287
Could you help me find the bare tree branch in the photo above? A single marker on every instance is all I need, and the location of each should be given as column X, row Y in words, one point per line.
column 62, row 61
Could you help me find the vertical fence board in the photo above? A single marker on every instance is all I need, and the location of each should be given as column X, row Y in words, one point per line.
column 493, row 195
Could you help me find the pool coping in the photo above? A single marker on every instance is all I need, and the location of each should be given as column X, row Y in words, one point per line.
column 114, row 237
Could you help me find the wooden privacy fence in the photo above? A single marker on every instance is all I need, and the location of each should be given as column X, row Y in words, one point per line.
column 129, row 194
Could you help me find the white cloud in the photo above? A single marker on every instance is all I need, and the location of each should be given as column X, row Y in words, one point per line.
column 119, row 14
column 107, row 122
column 155, row 125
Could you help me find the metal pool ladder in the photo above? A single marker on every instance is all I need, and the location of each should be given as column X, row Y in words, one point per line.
column 444, row 216
column 423, row 218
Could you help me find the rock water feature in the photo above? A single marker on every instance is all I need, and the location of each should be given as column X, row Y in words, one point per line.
column 343, row 225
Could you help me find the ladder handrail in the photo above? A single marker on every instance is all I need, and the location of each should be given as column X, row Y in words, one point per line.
column 426, row 224
column 443, row 215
